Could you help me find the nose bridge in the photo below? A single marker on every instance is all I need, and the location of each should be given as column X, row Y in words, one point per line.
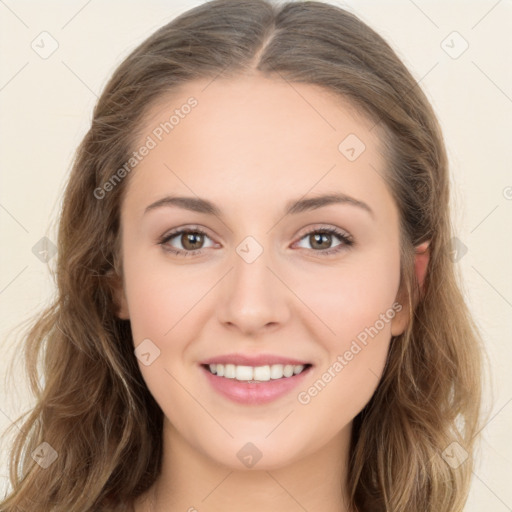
column 251, row 277
column 252, row 296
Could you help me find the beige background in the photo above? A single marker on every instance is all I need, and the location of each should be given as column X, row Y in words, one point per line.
column 46, row 106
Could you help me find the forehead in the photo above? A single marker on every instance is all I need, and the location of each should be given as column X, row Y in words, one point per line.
column 253, row 136
column 257, row 106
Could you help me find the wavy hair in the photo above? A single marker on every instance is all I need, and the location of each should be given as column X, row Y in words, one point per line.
column 92, row 405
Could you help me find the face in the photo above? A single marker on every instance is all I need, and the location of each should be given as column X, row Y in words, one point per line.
column 257, row 271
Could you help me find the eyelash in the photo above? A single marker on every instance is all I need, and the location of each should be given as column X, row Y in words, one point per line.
column 345, row 238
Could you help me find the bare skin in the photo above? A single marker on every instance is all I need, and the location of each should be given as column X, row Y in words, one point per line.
column 250, row 146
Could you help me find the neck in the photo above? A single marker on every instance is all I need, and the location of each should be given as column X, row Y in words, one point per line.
column 190, row 481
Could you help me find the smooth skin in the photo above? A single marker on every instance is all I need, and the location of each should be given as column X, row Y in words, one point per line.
column 251, row 146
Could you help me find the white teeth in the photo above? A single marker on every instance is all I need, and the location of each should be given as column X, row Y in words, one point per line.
column 258, row 373
column 288, row 370
column 298, row 369
column 230, row 371
column 262, row 373
column 244, row 373
column 276, row 371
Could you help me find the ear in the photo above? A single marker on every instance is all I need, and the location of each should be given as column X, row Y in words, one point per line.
column 421, row 259
column 118, row 295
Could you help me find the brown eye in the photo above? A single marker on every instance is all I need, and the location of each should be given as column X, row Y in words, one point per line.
column 192, row 240
column 320, row 240
column 188, row 241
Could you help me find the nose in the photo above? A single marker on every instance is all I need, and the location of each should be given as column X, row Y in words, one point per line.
column 252, row 298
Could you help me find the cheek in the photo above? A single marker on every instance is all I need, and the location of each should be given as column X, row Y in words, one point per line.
column 356, row 302
column 151, row 307
column 162, row 303
column 351, row 296
column 160, row 296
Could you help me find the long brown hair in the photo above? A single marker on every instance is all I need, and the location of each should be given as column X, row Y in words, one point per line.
column 94, row 409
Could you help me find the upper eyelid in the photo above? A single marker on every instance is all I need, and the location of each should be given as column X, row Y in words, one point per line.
column 186, row 229
column 323, row 227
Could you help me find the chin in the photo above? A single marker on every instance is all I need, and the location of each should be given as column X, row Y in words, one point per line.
column 253, row 453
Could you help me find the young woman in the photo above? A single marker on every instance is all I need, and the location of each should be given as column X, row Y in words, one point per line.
column 257, row 308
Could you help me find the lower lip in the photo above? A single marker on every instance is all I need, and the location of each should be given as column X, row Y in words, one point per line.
column 254, row 393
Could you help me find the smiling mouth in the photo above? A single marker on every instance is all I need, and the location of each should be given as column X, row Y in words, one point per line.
column 255, row 374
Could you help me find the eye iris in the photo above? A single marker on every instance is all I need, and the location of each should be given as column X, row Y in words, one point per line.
column 317, row 237
column 191, row 238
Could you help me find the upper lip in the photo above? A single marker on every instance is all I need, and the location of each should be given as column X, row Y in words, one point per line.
column 253, row 360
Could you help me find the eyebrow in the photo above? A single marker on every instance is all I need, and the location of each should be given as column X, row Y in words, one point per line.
column 197, row 204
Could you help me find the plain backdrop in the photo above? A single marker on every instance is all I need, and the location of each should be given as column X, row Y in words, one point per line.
column 460, row 52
